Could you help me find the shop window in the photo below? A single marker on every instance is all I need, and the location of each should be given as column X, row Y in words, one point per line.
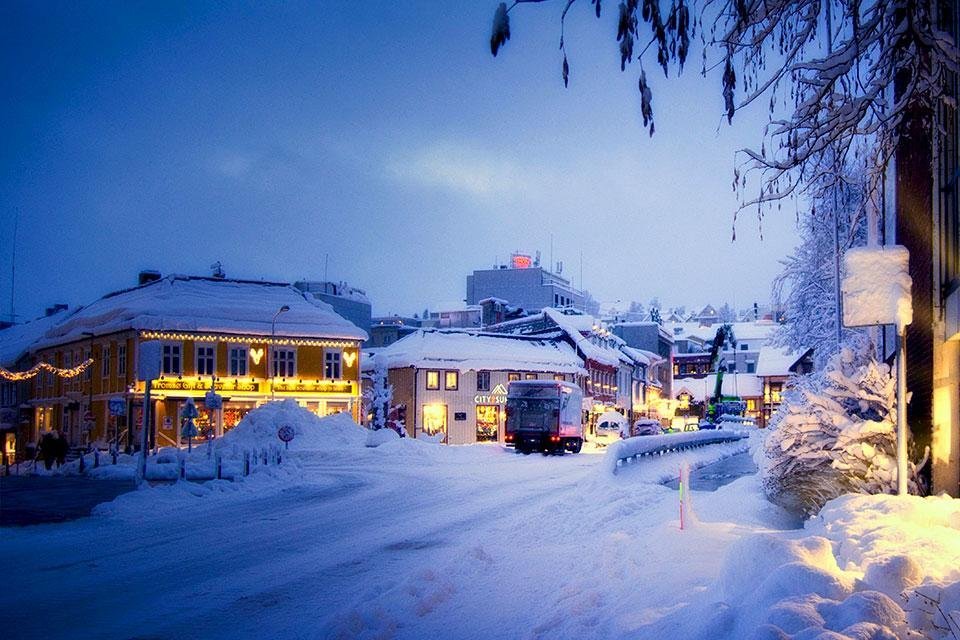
column 483, row 381
column 435, row 419
column 513, row 377
column 433, row 380
column 558, row 377
column 171, row 359
column 530, row 376
column 206, row 360
column 122, row 361
column 488, row 423
column 451, row 380
column 284, row 363
column 238, row 361
column 332, row 365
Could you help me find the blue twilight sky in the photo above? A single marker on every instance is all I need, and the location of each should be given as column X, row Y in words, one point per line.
column 171, row 135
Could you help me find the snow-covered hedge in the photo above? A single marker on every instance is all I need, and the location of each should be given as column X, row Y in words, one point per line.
column 835, row 433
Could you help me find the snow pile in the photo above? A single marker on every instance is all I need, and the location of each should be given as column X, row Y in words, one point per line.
column 872, row 568
column 620, row 450
column 259, row 429
column 876, row 286
column 834, row 433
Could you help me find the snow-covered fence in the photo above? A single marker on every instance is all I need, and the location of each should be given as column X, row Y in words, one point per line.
column 637, row 447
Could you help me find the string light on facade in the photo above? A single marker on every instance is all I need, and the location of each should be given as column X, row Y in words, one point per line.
column 19, row 376
column 236, row 339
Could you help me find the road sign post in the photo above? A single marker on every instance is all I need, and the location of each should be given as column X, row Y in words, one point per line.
column 148, row 368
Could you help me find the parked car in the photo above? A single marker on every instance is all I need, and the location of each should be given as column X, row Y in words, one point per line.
column 646, row 427
column 611, row 426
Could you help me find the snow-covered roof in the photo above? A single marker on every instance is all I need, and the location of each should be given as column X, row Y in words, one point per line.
column 575, row 326
column 206, row 305
column 16, row 340
column 743, row 385
column 743, row 331
column 472, row 350
column 777, row 361
column 642, row 356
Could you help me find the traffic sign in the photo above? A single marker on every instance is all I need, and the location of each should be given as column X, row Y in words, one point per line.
column 286, row 433
column 118, row 406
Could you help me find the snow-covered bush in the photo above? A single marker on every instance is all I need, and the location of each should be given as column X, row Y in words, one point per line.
column 834, row 433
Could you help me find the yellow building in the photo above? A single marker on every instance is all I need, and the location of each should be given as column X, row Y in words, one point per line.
column 250, row 341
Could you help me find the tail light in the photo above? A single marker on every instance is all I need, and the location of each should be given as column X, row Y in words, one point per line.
column 555, row 438
column 508, row 437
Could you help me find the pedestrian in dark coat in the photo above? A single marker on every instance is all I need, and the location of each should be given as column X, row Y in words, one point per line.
column 62, row 448
column 48, row 449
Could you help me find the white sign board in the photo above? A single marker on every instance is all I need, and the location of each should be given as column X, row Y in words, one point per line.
column 876, row 287
column 148, row 360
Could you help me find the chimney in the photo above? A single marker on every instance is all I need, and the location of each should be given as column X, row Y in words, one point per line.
column 147, row 276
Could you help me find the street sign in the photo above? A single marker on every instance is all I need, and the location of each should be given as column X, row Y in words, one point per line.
column 167, row 422
column 876, row 287
column 118, row 406
column 148, row 360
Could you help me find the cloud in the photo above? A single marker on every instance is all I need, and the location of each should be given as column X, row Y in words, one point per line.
column 232, row 164
column 468, row 171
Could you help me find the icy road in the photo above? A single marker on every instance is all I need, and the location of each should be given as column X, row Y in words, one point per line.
column 407, row 540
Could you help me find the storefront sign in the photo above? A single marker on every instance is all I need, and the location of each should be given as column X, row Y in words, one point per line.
column 196, row 384
column 497, row 396
column 313, row 387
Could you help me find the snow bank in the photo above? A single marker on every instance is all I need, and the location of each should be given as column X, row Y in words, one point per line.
column 867, row 567
column 258, row 429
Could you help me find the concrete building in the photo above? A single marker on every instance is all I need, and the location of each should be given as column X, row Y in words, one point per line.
column 523, row 283
column 349, row 302
column 385, row 330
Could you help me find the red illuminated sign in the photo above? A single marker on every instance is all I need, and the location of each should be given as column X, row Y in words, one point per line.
column 521, row 261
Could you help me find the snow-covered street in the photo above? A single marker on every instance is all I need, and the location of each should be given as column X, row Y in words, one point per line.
column 405, row 540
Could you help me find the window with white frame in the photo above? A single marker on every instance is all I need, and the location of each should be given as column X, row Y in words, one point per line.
column 332, row 367
column 238, row 361
column 284, row 363
column 105, row 361
column 171, row 359
column 206, row 360
column 122, row 361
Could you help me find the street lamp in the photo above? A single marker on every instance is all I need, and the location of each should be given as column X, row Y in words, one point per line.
column 89, row 376
column 273, row 334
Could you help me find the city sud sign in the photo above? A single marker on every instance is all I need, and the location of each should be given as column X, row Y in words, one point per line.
column 497, row 396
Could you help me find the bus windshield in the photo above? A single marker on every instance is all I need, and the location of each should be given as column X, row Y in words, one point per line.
column 532, row 414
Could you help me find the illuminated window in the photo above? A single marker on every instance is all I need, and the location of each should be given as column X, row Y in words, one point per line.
column 483, row 381
column 512, row 377
column 284, row 363
column 171, row 359
column 332, row 367
column 433, row 379
column 206, row 360
column 435, row 419
column 451, row 380
column 238, row 361
column 488, row 423
column 529, row 376
column 751, row 404
column 558, row 377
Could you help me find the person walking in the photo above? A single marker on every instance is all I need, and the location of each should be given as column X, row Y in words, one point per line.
column 48, row 449
column 61, row 449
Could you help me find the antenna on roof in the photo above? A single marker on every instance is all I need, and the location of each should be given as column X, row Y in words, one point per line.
column 218, row 270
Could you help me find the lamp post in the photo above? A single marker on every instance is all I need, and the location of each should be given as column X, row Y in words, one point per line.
column 273, row 334
column 89, row 375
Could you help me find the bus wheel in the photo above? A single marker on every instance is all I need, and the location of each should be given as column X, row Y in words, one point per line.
column 577, row 445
